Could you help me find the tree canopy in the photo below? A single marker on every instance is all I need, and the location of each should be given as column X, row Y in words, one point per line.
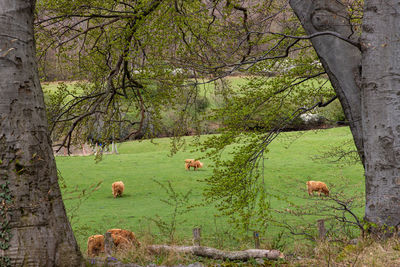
column 143, row 57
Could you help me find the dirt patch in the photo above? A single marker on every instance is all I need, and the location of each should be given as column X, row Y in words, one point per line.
column 83, row 150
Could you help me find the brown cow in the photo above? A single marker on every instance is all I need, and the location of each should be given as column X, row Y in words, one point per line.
column 187, row 162
column 95, row 245
column 122, row 239
column 127, row 237
column 118, row 189
column 193, row 163
column 318, row 186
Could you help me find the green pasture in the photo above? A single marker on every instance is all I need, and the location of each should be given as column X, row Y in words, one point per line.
column 288, row 165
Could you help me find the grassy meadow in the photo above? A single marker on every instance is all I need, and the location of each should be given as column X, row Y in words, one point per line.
column 288, row 165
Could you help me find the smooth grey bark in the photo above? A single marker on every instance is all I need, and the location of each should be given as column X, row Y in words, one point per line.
column 340, row 59
column 41, row 233
column 381, row 110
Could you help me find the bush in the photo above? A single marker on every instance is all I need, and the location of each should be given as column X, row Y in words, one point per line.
column 202, row 103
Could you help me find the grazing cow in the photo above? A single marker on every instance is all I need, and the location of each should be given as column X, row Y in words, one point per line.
column 196, row 164
column 123, row 238
column 193, row 163
column 318, row 186
column 187, row 161
column 118, row 189
column 95, row 245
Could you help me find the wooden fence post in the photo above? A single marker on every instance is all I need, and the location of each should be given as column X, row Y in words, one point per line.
column 321, row 229
column 196, row 236
column 256, row 236
column 114, row 149
column 108, row 244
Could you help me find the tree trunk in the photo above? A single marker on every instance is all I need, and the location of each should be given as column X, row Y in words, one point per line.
column 40, row 232
column 341, row 60
column 381, row 110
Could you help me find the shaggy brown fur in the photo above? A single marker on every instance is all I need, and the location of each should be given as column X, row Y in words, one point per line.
column 193, row 163
column 118, row 189
column 121, row 242
column 318, row 186
column 123, row 237
column 187, row 161
column 95, row 245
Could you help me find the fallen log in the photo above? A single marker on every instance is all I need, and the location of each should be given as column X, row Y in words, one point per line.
column 217, row 254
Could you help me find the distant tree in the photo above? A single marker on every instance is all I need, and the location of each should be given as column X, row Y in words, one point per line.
column 125, row 52
column 34, row 228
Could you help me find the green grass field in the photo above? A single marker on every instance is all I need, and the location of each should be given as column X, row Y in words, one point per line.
column 287, row 166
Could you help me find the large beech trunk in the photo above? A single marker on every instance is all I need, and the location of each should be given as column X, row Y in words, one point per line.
column 371, row 102
column 40, row 232
column 340, row 59
column 381, row 110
